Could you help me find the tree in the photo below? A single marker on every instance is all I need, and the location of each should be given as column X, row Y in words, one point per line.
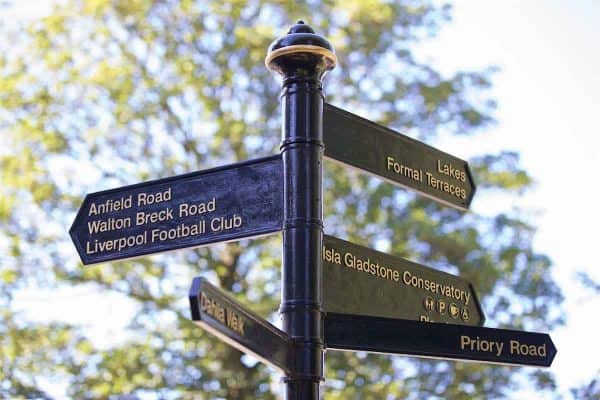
column 591, row 389
column 106, row 93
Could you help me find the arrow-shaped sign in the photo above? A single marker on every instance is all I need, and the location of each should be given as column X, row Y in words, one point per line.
column 358, row 280
column 397, row 158
column 221, row 315
column 221, row 204
column 424, row 339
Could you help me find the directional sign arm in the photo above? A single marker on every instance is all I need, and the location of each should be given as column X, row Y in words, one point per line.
column 359, row 280
column 397, row 158
column 217, row 205
column 422, row 339
column 223, row 316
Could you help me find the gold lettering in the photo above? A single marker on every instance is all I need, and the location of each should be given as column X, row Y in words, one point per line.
column 221, row 224
column 108, row 225
column 332, row 256
column 226, row 316
column 401, row 169
column 429, row 304
column 428, row 285
column 212, row 308
column 110, row 205
column 449, row 170
column 143, row 218
column 118, row 244
column 190, row 210
column 406, row 277
column 522, row 349
column 445, row 187
column 180, row 231
column 145, row 199
column 481, row 345
column 235, row 322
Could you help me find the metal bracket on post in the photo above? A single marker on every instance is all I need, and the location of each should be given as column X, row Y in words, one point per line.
column 302, row 58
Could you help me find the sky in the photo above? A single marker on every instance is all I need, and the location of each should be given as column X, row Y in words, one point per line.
column 548, row 94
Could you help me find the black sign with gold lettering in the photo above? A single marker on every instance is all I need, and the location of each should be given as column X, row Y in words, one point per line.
column 358, row 280
column 221, row 204
column 423, row 339
column 401, row 160
column 224, row 317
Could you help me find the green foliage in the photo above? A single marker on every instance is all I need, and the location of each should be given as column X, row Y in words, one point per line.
column 588, row 281
column 42, row 350
column 589, row 391
column 106, row 93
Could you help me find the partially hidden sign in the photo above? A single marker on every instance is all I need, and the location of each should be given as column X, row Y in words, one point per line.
column 358, row 280
column 397, row 158
column 221, row 204
column 220, row 314
column 423, row 339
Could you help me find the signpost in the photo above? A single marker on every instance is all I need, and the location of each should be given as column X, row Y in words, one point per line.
column 335, row 294
column 423, row 339
column 302, row 58
column 401, row 160
column 216, row 205
column 225, row 318
column 358, row 280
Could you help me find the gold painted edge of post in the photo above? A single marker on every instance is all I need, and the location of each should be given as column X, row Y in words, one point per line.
column 301, row 48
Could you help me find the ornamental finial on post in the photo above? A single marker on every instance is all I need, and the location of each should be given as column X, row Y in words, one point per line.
column 302, row 52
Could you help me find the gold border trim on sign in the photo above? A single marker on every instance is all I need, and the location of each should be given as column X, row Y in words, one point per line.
column 301, row 48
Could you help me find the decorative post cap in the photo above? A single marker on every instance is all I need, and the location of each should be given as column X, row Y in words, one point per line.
column 300, row 48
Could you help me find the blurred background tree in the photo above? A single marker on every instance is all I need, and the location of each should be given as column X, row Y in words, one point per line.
column 591, row 389
column 102, row 93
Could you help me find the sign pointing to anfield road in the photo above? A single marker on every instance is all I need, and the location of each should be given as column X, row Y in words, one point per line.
column 221, row 315
column 433, row 340
column 399, row 159
column 221, row 204
column 358, row 280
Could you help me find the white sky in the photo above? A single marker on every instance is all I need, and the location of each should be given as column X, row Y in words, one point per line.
column 548, row 92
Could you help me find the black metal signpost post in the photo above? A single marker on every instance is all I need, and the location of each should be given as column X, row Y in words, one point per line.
column 302, row 58
column 373, row 301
